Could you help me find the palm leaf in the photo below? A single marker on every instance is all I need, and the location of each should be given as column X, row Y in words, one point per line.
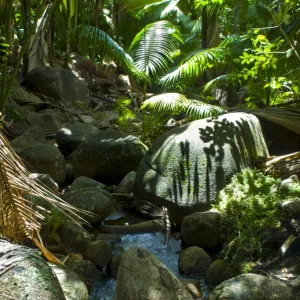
column 135, row 6
column 196, row 109
column 93, row 37
column 286, row 117
column 222, row 81
column 18, row 218
column 175, row 103
column 152, row 47
column 164, row 102
column 200, row 62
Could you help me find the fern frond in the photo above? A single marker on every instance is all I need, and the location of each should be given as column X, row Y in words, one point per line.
column 152, row 47
column 91, row 36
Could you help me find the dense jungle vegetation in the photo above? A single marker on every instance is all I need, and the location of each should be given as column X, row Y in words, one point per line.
column 186, row 58
column 240, row 53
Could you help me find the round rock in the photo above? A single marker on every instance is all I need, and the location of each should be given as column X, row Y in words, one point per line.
column 252, row 287
column 46, row 159
column 194, row 261
column 108, row 156
column 69, row 137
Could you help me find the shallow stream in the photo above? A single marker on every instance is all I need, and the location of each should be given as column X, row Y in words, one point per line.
column 154, row 243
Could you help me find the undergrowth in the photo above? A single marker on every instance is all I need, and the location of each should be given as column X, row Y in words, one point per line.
column 250, row 204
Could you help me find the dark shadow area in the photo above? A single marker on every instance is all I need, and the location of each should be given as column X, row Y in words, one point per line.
column 279, row 139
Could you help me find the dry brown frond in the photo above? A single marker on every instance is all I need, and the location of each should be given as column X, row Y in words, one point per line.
column 18, row 218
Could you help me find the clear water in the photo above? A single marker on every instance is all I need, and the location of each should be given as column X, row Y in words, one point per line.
column 154, row 243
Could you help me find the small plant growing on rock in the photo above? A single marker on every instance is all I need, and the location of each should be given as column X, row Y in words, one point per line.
column 248, row 205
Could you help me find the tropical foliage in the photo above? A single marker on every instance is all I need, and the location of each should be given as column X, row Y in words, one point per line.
column 195, row 58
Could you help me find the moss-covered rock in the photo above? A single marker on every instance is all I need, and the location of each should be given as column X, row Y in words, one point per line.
column 46, row 159
column 73, row 287
column 30, row 279
column 218, row 272
column 108, row 156
column 99, row 202
column 186, row 167
column 201, row 229
column 99, row 252
column 194, row 261
column 252, row 287
column 142, row 276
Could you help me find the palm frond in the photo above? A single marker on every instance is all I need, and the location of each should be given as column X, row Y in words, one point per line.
column 286, row 117
column 170, row 102
column 175, row 103
column 256, row 14
column 222, row 81
column 200, row 62
column 93, row 37
column 196, row 109
column 18, row 218
column 152, row 46
column 134, row 6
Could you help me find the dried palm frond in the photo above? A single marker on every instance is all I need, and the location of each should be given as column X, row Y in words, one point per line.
column 286, row 117
column 18, row 218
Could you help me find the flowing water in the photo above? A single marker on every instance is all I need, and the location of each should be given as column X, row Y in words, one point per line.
column 154, row 243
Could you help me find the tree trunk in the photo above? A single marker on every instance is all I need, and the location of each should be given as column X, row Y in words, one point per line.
column 27, row 32
column 204, row 28
column 68, row 31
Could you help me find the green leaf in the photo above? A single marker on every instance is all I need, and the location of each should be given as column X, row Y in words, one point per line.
column 153, row 46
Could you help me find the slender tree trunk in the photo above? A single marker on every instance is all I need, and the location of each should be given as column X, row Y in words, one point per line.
column 27, row 32
column 116, row 17
column 204, row 28
column 68, row 31
column 204, row 36
column 236, row 9
column 8, row 41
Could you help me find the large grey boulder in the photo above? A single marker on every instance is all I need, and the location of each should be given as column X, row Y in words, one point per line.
column 252, row 287
column 46, row 159
column 57, row 83
column 26, row 278
column 186, row 167
column 98, row 202
column 142, row 276
column 69, row 137
column 108, row 156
